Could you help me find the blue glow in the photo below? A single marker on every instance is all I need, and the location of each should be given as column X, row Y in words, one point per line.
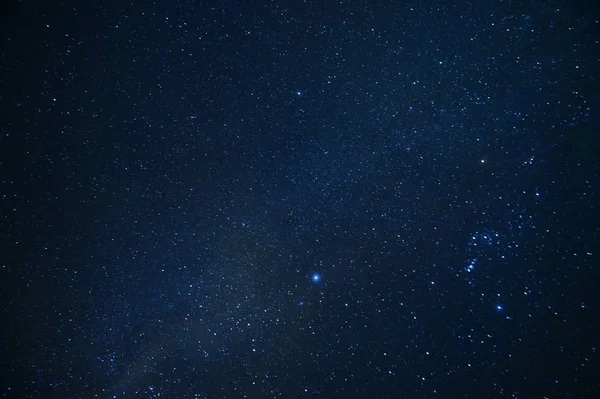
column 471, row 265
column 316, row 277
column 500, row 308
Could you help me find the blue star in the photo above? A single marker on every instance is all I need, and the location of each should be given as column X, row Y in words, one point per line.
column 316, row 277
column 499, row 307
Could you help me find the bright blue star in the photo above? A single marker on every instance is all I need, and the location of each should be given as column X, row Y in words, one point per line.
column 499, row 307
column 316, row 277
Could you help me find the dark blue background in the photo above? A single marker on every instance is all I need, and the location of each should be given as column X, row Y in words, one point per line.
column 173, row 174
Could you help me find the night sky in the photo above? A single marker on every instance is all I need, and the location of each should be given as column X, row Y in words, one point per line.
column 300, row 199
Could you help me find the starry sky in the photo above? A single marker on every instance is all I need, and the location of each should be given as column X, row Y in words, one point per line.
column 299, row 199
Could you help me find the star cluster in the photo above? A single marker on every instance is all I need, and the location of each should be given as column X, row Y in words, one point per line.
column 300, row 199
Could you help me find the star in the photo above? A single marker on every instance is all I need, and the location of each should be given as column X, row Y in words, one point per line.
column 316, row 277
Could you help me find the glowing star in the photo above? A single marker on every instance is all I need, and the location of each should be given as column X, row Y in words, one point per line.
column 499, row 308
column 316, row 277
